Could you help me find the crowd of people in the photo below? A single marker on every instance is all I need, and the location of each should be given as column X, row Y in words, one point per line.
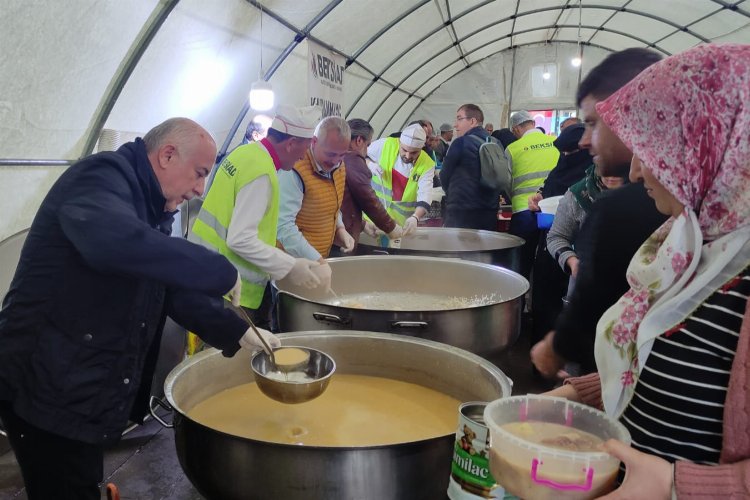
column 650, row 248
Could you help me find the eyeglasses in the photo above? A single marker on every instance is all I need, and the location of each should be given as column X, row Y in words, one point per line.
column 459, row 118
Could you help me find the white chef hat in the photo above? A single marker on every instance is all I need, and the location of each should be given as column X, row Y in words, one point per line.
column 413, row 136
column 298, row 122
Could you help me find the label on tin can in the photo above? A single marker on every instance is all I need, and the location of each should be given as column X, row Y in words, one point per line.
column 470, row 472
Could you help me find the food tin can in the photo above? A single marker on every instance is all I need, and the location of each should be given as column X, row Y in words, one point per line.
column 470, row 472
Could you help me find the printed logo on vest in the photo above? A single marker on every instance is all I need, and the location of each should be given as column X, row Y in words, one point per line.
column 227, row 167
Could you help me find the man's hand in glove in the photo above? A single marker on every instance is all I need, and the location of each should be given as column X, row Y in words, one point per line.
column 397, row 232
column 371, row 229
column 302, row 274
column 410, row 226
column 344, row 240
column 251, row 342
column 236, row 291
column 323, row 272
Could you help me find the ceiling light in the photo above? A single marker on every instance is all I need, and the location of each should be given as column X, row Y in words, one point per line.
column 261, row 96
column 546, row 75
column 261, row 93
column 576, row 61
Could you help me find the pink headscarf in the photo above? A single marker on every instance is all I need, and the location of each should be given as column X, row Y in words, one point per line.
column 687, row 119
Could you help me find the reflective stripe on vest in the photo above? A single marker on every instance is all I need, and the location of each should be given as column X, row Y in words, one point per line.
column 534, row 156
column 242, row 166
column 321, row 203
column 399, row 210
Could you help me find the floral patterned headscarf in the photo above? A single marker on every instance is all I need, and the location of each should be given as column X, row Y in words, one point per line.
column 687, row 119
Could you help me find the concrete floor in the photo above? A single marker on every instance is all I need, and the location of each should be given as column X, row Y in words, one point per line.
column 144, row 464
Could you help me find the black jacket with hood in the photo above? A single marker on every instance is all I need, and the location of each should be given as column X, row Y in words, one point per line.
column 81, row 324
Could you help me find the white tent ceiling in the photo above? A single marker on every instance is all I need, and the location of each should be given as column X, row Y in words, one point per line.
column 72, row 68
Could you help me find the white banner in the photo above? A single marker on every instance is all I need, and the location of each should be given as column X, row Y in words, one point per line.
column 325, row 79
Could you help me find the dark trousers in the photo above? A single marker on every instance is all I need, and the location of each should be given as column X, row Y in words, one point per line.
column 471, row 219
column 53, row 466
column 549, row 286
column 262, row 315
column 523, row 224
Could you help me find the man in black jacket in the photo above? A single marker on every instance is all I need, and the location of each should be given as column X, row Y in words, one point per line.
column 616, row 227
column 80, row 327
column 467, row 203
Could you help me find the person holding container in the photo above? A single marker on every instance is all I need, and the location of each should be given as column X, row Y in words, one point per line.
column 672, row 353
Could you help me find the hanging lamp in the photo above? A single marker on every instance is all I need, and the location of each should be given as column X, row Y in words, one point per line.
column 261, row 94
column 576, row 61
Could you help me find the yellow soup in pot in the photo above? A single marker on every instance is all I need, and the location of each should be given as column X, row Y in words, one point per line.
column 355, row 410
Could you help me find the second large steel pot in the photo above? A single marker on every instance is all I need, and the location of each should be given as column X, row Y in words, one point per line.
column 490, row 247
column 485, row 329
column 224, row 466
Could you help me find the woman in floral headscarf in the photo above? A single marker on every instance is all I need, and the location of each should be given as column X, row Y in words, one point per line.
column 674, row 352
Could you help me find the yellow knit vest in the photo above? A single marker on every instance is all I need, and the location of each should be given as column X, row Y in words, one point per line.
column 316, row 218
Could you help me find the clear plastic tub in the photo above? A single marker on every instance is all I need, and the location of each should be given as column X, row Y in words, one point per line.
column 536, row 471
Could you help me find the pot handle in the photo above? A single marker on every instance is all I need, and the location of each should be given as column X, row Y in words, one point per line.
column 409, row 324
column 154, row 401
column 331, row 318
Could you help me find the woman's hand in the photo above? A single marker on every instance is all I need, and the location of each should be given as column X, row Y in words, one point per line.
column 566, row 391
column 646, row 476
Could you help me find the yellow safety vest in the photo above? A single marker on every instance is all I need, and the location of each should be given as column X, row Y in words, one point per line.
column 383, row 185
column 534, row 156
column 242, row 166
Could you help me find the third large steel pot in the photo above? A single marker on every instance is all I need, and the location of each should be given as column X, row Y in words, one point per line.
column 490, row 247
column 227, row 467
column 483, row 329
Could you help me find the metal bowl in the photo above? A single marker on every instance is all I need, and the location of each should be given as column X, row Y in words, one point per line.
column 319, row 368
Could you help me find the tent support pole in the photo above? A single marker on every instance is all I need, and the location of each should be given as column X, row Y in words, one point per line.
column 127, row 66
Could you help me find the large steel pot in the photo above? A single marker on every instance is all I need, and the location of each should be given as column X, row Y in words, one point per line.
column 490, row 247
column 484, row 330
column 223, row 466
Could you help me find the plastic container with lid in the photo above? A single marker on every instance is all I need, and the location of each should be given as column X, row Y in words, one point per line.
column 546, row 216
column 532, row 470
column 549, row 205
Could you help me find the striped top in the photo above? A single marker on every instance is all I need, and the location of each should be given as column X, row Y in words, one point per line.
column 678, row 405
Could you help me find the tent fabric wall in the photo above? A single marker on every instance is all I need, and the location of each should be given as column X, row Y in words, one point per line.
column 61, row 61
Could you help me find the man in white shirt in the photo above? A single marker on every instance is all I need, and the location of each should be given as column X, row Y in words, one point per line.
column 239, row 216
column 402, row 176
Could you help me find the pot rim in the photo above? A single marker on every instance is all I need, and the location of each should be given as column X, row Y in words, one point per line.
column 437, row 260
column 505, row 382
column 517, row 240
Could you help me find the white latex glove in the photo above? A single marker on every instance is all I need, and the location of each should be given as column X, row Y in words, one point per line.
column 251, row 342
column 410, row 225
column 371, row 229
column 346, row 240
column 302, row 274
column 324, row 272
column 236, row 291
column 374, row 167
column 397, row 232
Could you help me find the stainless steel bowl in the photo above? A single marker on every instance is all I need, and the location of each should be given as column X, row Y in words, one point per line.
column 484, row 329
column 319, row 369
